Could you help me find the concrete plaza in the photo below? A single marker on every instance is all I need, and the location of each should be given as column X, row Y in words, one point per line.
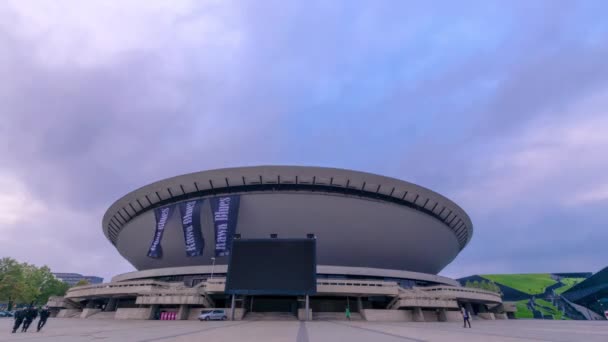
column 73, row 330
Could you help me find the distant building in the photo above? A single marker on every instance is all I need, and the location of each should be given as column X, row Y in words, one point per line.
column 592, row 294
column 73, row 278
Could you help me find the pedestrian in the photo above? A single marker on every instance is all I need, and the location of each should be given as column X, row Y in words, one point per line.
column 465, row 317
column 44, row 315
column 30, row 314
column 19, row 316
column 347, row 312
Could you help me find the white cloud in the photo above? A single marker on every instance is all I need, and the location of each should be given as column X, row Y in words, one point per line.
column 595, row 194
column 558, row 159
column 89, row 33
column 16, row 203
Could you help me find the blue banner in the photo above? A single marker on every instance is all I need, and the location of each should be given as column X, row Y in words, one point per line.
column 191, row 224
column 162, row 215
column 225, row 212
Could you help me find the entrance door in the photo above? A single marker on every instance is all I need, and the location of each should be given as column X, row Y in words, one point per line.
column 274, row 304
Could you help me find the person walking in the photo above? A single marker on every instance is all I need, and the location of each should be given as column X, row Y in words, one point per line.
column 465, row 317
column 347, row 313
column 19, row 316
column 44, row 315
column 30, row 314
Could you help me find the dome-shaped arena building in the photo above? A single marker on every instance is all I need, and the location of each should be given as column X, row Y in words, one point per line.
column 379, row 244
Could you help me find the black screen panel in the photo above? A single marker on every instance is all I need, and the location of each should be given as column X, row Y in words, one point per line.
column 272, row 267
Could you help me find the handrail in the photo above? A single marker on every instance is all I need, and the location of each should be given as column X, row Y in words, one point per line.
column 121, row 284
column 330, row 282
column 459, row 289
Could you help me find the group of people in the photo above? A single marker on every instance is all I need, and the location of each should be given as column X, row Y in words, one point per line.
column 27, row 315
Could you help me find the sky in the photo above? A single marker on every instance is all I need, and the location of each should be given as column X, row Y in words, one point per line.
column 502, row 106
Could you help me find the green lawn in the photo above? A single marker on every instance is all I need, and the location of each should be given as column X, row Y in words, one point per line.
column 533, row 283
column 522, row 309
column 568, row 283
column 548, row 309
column 541, row 305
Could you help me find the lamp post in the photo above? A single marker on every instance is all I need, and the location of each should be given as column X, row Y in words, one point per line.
column 212, row 266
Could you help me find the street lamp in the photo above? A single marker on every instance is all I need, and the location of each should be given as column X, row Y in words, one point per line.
column 212, row 266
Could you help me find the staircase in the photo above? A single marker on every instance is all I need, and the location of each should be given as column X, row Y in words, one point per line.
column 103, row 315
column 335, row 316
column 270, row 316
column 75, row 314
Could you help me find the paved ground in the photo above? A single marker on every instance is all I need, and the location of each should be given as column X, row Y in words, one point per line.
column 71, row 330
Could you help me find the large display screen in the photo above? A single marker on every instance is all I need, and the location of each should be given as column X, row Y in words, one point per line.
column 272, row 267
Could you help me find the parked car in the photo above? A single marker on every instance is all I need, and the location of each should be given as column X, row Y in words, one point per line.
column 212, row 315
column 6, row 314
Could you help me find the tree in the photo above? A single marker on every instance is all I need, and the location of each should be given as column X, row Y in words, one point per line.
column 11, row 281
column 82, row 282
column 28, row 284
column 484, row 285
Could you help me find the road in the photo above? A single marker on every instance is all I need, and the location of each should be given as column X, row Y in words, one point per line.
column 76, row 330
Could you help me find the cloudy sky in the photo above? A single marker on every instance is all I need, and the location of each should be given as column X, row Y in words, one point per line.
column 500, row 105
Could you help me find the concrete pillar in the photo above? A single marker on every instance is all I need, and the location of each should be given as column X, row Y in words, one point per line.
column 153, row 309
column 469, row 308
column 417, row 315
column 112, row 304
column 360, row 308
column 183, row 312
column 442, row 317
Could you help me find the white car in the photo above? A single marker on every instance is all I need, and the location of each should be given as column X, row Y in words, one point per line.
column 212, row 315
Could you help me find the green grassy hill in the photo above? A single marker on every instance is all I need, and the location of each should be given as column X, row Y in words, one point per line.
column 522, row 309
column 548, row 309
column 540, row 305
column 569, row 282
column 533, row 283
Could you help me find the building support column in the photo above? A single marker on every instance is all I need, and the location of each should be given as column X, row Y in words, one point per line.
column 183, row 312
column 153, row 309
column 307, row 309
column 359, row 305
column 442, row 316
column 417, row 315
column 232, row 307
column 112, row 304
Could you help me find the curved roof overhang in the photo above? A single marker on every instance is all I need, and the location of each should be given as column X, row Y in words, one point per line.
column 286, row 178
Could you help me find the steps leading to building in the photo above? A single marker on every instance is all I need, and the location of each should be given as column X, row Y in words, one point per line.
column 103, row 315
column 335, row 316
column 270, row 316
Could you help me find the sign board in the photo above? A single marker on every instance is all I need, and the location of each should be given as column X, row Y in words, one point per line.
column 272, row 267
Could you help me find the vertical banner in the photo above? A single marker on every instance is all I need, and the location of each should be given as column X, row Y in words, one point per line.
column 162, row 216
column 191, row 224
column 225, row 212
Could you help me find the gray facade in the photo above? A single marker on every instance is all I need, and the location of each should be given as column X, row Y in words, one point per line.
column 360, row 219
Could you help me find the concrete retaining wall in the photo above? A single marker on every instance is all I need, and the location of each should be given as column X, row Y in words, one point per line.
column 500, row 316
column 194, row 312
column 133, row 313
column 302, row 314
column 430, row 315
column 486, row 315
column 453, row 316
column 238, row 314
column 67, row 313
column 376, row 315
column 89, row 312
